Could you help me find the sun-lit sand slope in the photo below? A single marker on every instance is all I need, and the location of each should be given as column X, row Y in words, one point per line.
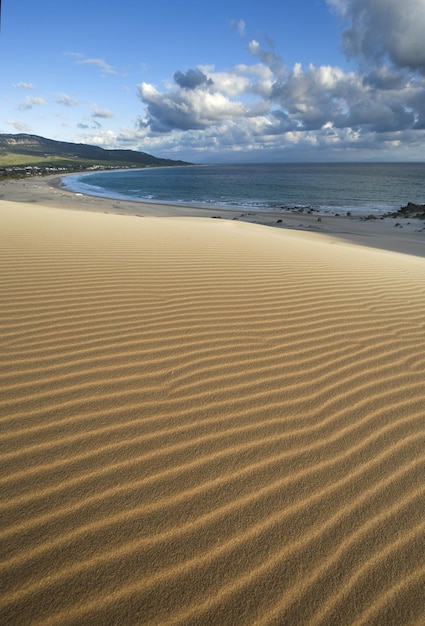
column 208, row 422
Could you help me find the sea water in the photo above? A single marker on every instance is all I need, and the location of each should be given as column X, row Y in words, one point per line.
column 359, row 188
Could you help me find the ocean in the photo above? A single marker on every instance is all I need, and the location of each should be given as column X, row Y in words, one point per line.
column 359, row 188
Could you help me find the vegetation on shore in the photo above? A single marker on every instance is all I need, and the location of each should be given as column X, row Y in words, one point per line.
column 24, row 155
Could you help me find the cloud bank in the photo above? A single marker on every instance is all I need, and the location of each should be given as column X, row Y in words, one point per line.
column 380, row 104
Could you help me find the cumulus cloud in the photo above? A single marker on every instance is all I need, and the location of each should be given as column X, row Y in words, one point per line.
column 105, row 138
column 386, row 78
column 192, row 79
column 186, row 108
column 379, row 104
column 384, row 29
column 268, row 58
column 319, row 96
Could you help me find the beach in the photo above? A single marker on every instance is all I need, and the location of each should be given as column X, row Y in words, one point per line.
column 208, row 421
column 398, row 235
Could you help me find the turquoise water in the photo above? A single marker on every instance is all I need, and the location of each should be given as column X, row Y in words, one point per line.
column 335, row 188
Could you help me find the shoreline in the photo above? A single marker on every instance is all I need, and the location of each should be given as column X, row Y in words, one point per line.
column 406, row 236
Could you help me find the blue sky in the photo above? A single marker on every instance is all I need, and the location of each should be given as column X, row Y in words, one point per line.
column 229, row 81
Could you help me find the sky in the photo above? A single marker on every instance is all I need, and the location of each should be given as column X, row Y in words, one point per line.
column 223, row 81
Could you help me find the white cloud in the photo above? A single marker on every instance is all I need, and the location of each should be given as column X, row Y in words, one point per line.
column 22, row 85
column 339, row 6
column 105, row 138
column 267, row 107
column 74, row 55
column 100, row 63
column 187, row 109
column 66, row 100
column 102, row 113
column 268, row 58
column 240, row 26
column 30, row 102
column 19, row 126
column 242, row 79
column 81, row 59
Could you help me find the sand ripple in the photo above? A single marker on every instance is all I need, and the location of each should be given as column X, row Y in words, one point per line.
column 207, row 422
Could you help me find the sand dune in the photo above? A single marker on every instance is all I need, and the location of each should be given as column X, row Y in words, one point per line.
column 208, row 422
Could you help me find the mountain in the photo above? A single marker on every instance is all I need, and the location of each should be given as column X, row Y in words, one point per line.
column 34, row 151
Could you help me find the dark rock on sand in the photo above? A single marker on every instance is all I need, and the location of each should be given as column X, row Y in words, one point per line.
column 410, row 210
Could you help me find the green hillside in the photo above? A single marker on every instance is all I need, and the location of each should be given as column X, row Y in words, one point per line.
column 23, row 154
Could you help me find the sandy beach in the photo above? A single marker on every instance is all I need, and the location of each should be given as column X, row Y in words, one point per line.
column 398, row 235
column 208, row 421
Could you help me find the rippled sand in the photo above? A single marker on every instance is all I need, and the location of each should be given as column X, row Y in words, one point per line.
column 208, row 422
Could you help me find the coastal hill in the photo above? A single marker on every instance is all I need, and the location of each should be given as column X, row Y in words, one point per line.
column 23, row 154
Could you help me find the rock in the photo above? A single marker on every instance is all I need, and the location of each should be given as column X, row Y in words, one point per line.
column 410, row 210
